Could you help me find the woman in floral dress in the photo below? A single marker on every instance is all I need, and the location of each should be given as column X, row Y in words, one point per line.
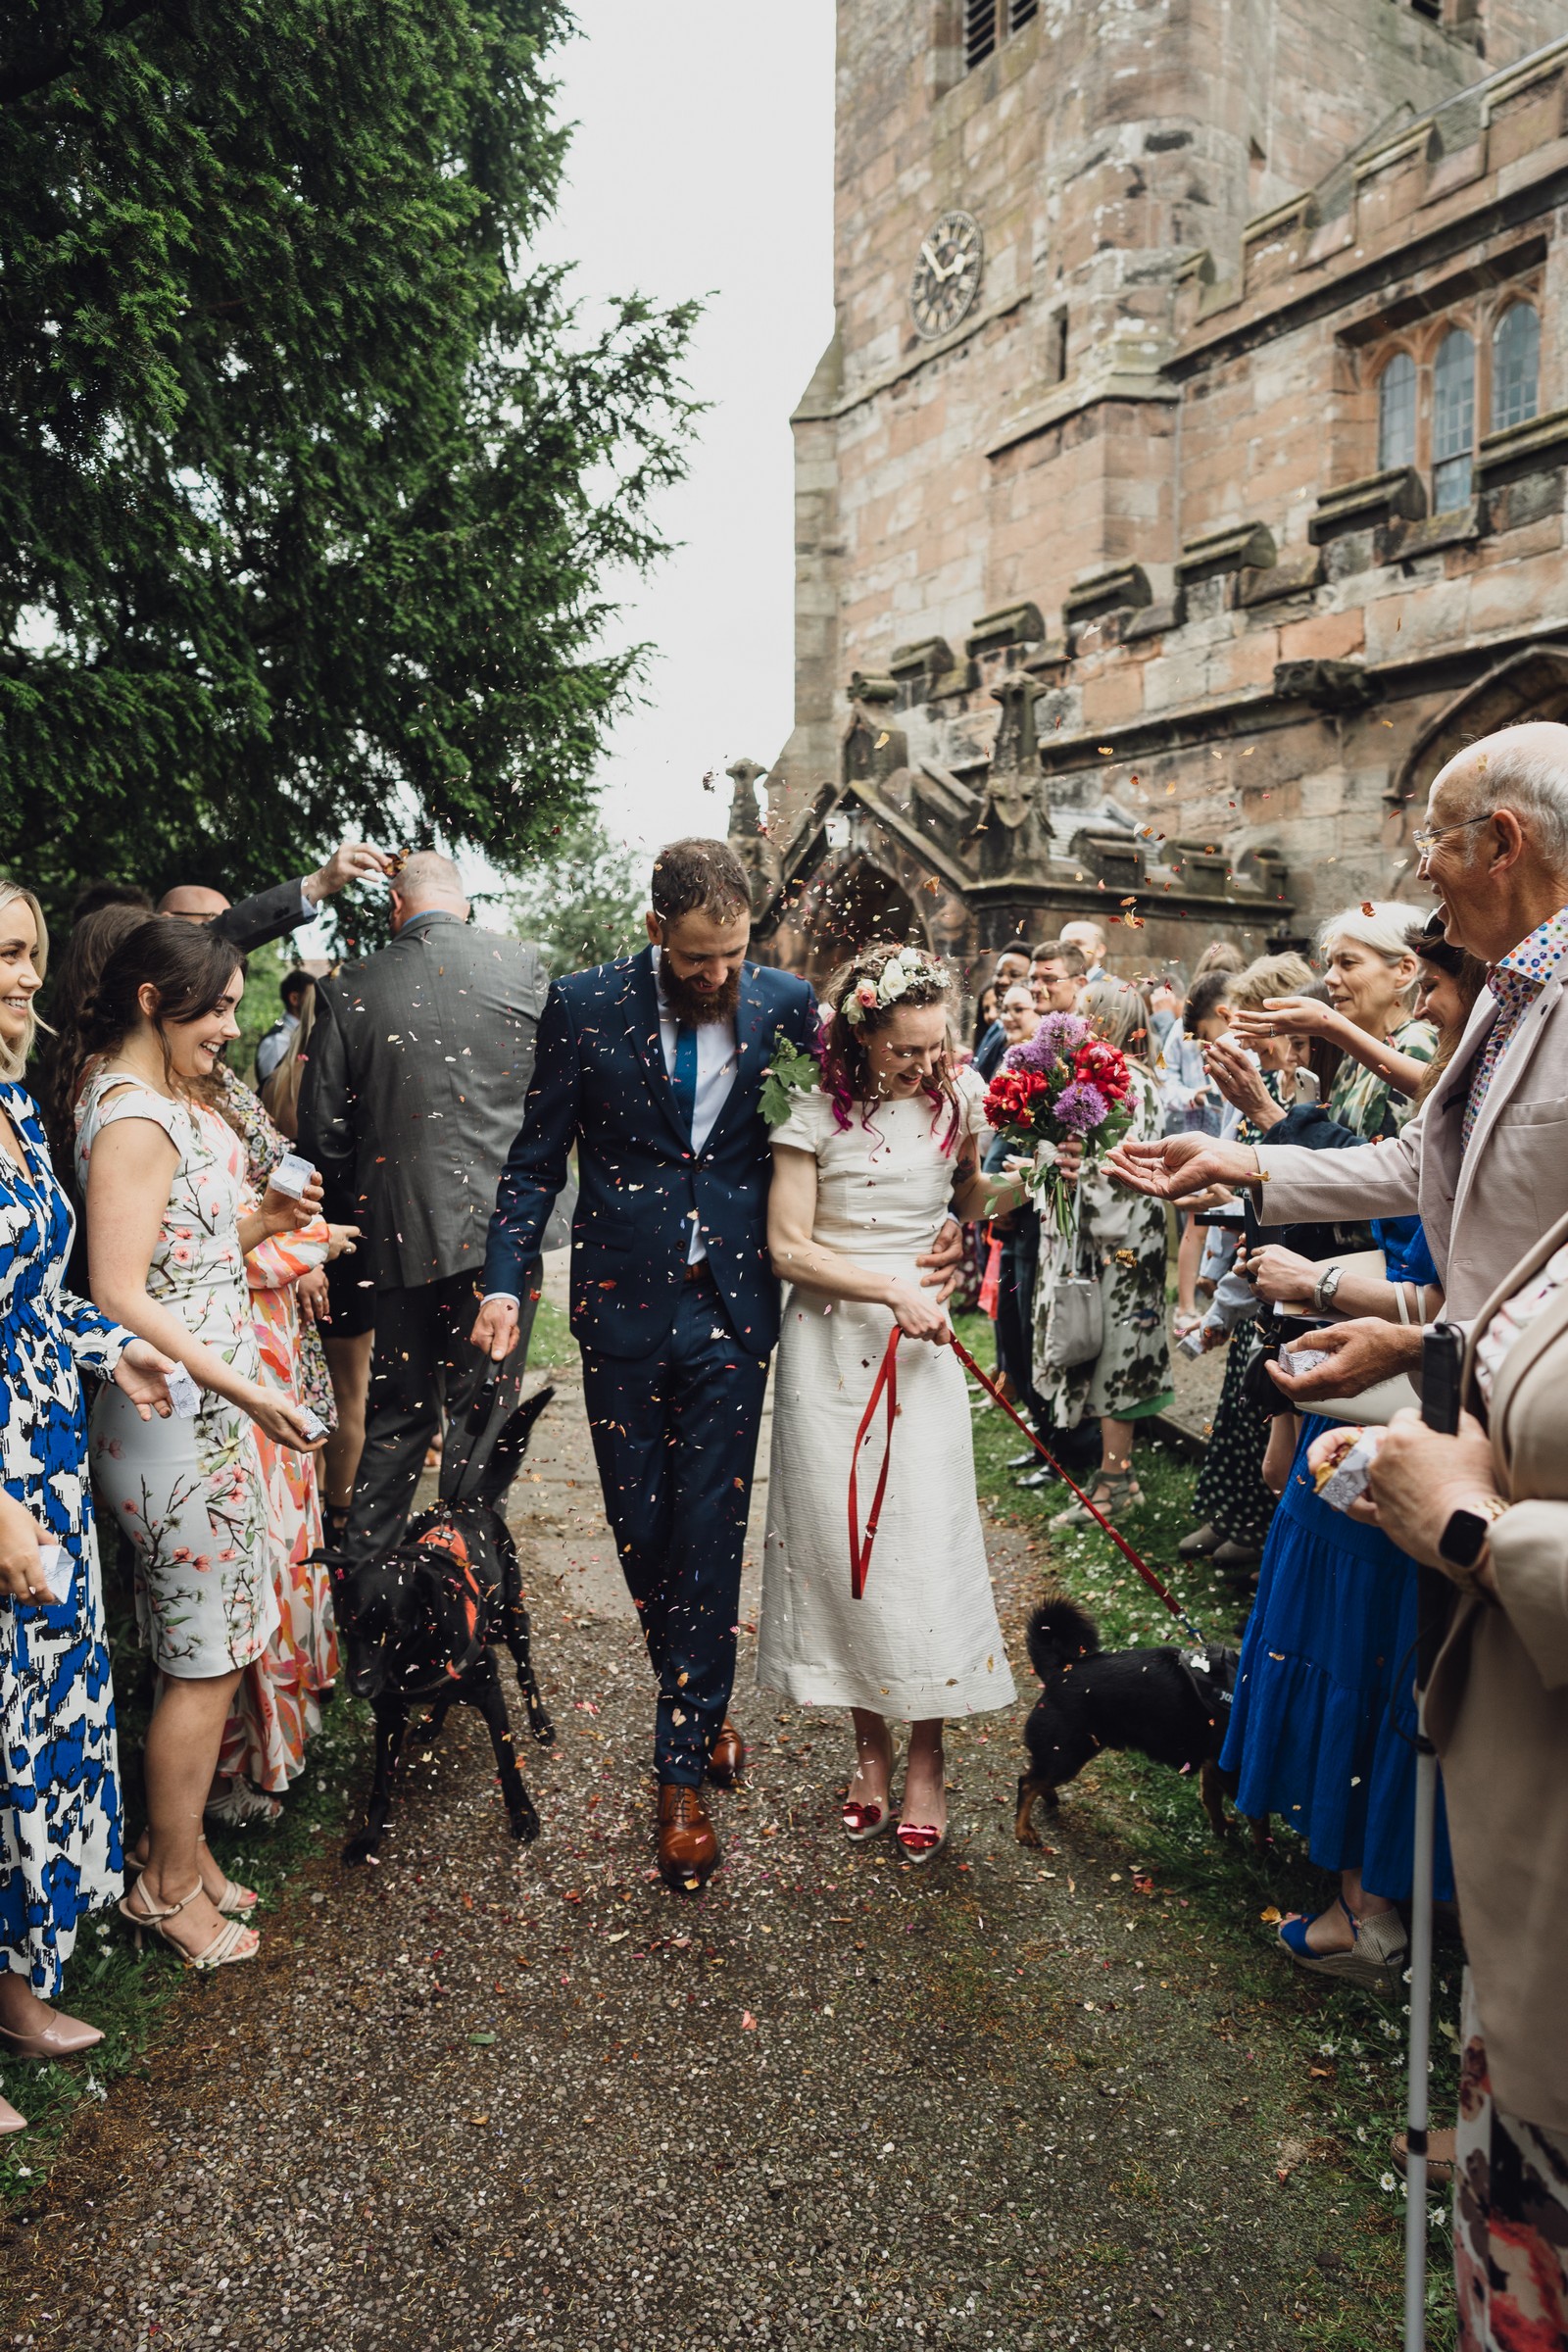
column 276, row 1708
column 163, row 1177
column 1122, row 1238
column 60, row 1824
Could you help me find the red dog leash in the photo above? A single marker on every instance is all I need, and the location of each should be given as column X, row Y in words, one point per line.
column 886, row 1385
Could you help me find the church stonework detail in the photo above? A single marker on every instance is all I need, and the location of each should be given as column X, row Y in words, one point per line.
column 1157, row 584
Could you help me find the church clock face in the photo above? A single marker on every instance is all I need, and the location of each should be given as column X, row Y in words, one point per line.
column 947, row 274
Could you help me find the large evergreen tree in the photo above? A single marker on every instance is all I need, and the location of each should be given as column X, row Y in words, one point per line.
column 312, row 487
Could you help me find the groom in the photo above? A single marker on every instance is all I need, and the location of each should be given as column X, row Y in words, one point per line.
column 653, row 1067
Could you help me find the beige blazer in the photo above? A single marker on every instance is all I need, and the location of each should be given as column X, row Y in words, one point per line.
column 1482, row 1208
column 1498, row 1713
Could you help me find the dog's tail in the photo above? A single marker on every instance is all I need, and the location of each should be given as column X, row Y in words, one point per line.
column 1060, row 1635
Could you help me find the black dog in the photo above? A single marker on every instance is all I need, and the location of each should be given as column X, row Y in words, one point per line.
column 420, row 1624
column 1171, row 1704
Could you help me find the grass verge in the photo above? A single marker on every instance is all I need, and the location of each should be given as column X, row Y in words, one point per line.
column 1341, row 2052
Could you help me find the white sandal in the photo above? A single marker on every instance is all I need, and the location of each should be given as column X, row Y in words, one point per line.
column 224, row 1948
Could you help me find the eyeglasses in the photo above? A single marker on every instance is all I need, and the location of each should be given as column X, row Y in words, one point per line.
column 1426, row 838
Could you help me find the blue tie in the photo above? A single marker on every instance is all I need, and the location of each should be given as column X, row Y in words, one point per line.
column 685, row 1077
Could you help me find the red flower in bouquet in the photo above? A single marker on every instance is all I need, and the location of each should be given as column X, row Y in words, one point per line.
column 1103, row 1066
column 1010, row 1095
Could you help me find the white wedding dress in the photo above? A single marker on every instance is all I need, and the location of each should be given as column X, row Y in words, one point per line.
column 924, row 1640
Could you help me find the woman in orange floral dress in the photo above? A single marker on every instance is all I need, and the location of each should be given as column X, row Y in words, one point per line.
column 276, row 1708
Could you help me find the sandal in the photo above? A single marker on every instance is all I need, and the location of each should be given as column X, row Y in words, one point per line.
column 242, row 1807
column 1442, row 2155
column 224, row 1948
column 1122, row 1493
column 1378, row 1953
column 235, row 1901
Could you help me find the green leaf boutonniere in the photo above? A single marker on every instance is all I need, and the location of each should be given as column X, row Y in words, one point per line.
column 792, row 1071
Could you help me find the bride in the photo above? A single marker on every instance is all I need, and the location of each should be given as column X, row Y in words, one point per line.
column 865, row 1169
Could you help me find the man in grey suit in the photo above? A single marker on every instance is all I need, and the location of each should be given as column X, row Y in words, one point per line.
column 418, row 1063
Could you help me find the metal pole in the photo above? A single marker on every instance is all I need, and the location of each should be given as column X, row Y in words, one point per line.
column 1442, row 1362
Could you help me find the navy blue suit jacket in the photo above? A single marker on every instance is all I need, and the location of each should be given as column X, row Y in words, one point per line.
column 600, row 1083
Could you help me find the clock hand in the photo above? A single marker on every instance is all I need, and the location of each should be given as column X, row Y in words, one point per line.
column 937, row 271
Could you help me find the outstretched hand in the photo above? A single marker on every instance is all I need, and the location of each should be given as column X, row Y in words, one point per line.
column 1181, row 1165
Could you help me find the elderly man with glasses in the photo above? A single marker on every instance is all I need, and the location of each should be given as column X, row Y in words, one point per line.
column 1485, row 1163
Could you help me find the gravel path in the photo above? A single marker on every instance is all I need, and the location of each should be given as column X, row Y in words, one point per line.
column 483, row 2097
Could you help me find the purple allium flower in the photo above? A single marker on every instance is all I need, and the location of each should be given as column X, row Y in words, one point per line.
column 1057, row 1038
column 1080, row 1109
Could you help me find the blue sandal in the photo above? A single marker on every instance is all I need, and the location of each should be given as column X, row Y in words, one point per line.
column 1377, row 1954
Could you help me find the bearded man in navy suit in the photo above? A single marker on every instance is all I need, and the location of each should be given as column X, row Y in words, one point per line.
column 653, row 1067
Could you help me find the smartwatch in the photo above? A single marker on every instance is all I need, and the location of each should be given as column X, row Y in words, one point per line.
column 1468, row 1533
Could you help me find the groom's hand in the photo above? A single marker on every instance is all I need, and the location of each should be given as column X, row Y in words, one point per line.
column 495, row 1329
column 946, row 1259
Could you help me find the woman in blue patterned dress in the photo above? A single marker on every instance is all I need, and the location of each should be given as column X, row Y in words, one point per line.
column 60, row 1828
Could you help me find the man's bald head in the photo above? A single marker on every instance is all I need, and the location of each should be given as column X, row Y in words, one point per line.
column 428, row 882
column 1523, row 768
column 190, row 903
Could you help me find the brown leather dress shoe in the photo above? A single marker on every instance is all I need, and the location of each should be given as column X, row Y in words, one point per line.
column 726, row 1758
column 688, row 1844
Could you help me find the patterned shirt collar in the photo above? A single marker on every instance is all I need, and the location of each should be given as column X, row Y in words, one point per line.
column 1521, row 975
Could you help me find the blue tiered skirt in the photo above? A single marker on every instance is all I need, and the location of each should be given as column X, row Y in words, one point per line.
column 1323, row 1721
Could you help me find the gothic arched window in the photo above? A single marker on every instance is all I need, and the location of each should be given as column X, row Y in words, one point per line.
column 1515, row 366
column 1396, row 412
column 1453, row 421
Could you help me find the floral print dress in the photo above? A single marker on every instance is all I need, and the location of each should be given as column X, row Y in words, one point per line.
column 190, row 1494
column 276, row 1708
column 60, row 1820
column 1123, row 1236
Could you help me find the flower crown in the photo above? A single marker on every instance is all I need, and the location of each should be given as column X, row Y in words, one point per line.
column 897, row 977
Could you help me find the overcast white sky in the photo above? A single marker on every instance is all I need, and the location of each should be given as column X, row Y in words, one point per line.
column 702, row 165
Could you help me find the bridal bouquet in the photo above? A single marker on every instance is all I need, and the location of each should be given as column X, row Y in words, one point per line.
column 1064, row 1084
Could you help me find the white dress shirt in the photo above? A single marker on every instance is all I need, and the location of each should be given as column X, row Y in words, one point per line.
column 716, row 1059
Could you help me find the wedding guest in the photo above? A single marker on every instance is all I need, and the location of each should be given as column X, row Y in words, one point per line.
column 1057, row 974
column 59, row 1817
column 1019, row 1234
column 1089, row 942
column 163, row 1174
column 862, row 1173
column 1489, row 1508
column 1230, row 1504
column 92, row 940
column 1322, row 1724
column 275, row 1043
column 1012, row 968
column 276, row 1709
column 340, row 1301
column 419, row 1059
column 1123, row 1242
column 273, row 913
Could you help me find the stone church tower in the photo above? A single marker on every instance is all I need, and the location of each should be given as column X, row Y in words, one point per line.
column 1191, row 445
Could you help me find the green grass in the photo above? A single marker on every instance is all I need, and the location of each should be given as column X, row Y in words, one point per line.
column 1340, row 2052
column 552, row 1346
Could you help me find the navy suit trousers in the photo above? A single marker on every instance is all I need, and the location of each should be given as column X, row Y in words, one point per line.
column 674, row 1435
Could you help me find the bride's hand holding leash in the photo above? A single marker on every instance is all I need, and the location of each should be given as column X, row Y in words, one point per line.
column 918, row 1316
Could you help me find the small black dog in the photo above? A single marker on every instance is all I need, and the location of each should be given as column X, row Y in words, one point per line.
column 1172, row 1704
column 421, row 1626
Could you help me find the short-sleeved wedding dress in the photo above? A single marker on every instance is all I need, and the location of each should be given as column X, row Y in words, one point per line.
column 923, row 1641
